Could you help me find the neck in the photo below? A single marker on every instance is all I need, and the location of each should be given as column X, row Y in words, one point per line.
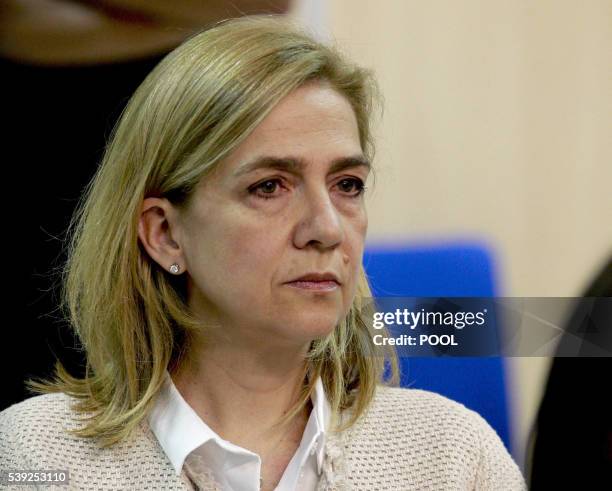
column 242, row 393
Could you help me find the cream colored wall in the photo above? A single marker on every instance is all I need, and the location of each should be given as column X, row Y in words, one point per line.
column 498, row 124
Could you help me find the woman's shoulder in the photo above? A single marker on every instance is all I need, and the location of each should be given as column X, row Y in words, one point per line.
column 41, row 428
column 433, row 437
column 422, row 405
column 35, row 434
column 31, row 428
column 37, row 423
column 42, row 413
column 398, row 411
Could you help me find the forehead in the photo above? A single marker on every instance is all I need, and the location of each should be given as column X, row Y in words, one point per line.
column 313, row 125
column 315, row 104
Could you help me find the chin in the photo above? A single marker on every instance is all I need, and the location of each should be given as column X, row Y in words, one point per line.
column 312, row 326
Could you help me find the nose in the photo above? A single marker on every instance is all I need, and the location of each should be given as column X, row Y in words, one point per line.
column 320, row 223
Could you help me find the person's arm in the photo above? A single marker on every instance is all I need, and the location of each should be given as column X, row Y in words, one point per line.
column 194, row 13
column 48, row 32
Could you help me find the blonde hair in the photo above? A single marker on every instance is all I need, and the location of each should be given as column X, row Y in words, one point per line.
column 131, row 317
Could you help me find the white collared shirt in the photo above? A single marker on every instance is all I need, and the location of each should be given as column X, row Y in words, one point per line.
column 187, row 440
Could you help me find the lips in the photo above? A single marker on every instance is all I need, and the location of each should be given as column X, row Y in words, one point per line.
column 318, row 277
column 316, row 281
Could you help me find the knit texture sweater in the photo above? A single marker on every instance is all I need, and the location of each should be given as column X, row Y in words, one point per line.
column 408, row 439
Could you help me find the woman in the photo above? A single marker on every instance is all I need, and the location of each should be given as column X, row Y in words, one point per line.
column 215, row 281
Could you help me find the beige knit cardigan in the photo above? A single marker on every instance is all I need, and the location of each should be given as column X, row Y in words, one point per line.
column 409, row 439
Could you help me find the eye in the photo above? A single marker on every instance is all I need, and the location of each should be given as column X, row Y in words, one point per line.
column 265, row 189
column 353, row 188
column 352, row 184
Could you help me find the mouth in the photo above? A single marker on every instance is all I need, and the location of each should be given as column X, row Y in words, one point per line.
column 326, row 285
column 316, row 282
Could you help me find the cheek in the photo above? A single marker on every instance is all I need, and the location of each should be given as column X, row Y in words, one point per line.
column 246, row 252
column 358, row 231
column 353, row 253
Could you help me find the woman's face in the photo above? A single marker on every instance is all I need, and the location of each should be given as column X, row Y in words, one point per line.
column 286, row 203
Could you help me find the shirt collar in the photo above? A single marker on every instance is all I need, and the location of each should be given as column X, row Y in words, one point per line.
column 180, row 430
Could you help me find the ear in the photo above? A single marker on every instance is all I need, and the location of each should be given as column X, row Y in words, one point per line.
column 155, row 232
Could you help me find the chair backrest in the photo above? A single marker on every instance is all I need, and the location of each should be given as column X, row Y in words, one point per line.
column 445, row 270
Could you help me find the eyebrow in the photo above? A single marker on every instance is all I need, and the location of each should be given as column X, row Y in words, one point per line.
column 295, row 165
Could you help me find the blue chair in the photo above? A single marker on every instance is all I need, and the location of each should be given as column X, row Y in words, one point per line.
column 464, row 269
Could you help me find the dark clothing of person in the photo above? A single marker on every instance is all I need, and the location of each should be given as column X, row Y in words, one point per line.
column 573, row 442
